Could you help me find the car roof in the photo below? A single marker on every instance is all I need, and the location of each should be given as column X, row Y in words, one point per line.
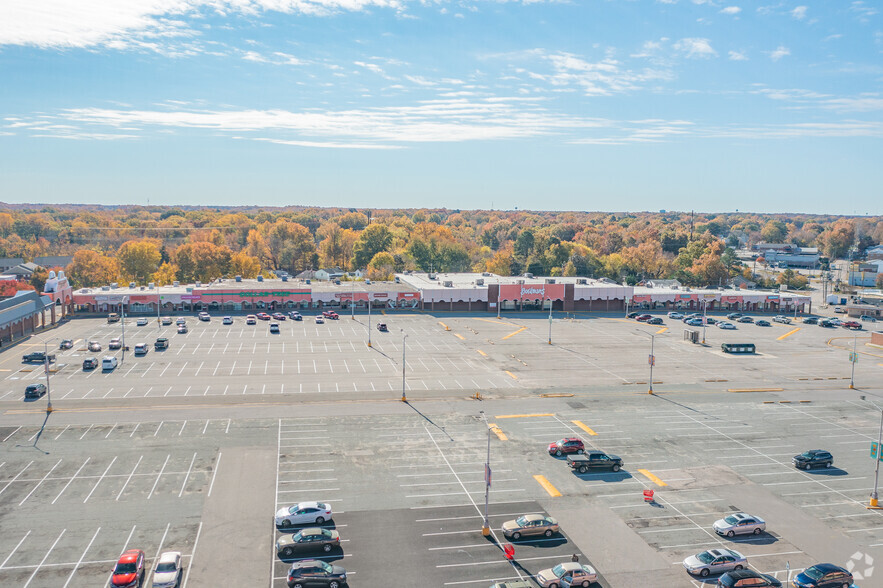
column 827, row 567
column 313, row 531
column 305, row 563
column 534, row 517
column 130, row 556
column 169, row 556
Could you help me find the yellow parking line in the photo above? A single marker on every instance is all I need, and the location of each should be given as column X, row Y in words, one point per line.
column 662, row 330
column 494, row 321
column 547, row 486
column 584, row 428
column 511, row 375
column 515, row 333
column 788, row 334
column 482, row 352
column 459, row 336
column 618, row 320
column 653, row 478
column 497, row 431
column 521, row 416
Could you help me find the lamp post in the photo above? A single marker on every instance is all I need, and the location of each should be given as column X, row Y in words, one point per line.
column 353, row 300
column 704, row 318
column 369, row 319
column 550, row 321
column 874, row 495
column 46, row 369
column 404, row 364
column 853, row 358
column 652, row 358
column 498, row 301
column 123, row 303
column 486, row 527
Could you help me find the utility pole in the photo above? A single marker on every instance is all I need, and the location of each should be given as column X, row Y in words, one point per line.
column 486, row 528
column 550, row 321
column 404, row 364
column 46, row 367
column 123, row 322
column 652, row 361
column 853, row 358
column 369, row 319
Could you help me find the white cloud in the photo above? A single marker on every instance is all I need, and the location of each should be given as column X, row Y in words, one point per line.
column 864, row 11
column 799, row 12
column 780, row 52
column 695, row 48
column 731, row 10
column 738, row 56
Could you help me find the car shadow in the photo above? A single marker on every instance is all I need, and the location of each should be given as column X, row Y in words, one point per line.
column 543, row 542
column 31, row 399
column 619, row 476
column 762, row 539
column 332, row 556
column 330, row 525
column 831, row 472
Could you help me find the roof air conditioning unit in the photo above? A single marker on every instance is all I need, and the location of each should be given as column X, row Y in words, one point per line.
column 284, row 278
column 486, row 274
column 581, row 281
column 550, row 280
column 238, row 278
column 114, row 285
column 479, row 281
column 309, row 281
column 431, row 276
column 151, row 285
column 176, row 283
column 189, row 289
column 448, row 284
column 398, row 281
column 260, row 278
column 368, row 282
column 131, row 284
column 529, row 276
column 520, row 281
column 105, row 288
column 143, row 288
column 198, row 284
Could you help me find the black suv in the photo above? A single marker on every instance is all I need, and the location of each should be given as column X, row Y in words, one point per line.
column 38, row 356
column 813, row 458
column 90, row 363
column 35, row 390
column 746, row 579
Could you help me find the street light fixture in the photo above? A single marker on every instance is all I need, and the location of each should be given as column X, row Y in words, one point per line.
column 486, row 528
column 369, row 319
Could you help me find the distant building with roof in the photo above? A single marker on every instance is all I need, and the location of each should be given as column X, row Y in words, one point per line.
column 25, row 313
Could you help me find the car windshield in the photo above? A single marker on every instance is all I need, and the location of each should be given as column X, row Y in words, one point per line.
column 807, row 455
column 558, row 570
column 705, row 557
column 323, row 565
column 813, row 573
column 521, row 521
column 125, row 568
column 168, row 566
column 731, row 520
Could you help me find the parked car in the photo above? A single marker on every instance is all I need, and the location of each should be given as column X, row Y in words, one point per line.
column 251, row 319
column 333, row 315
column 166, row 321
column 263, row 316
column 714, row 561
column 594, row 460
column 739, row 524
column 141, row 322
column 854, row 325
column 129, row 570
column 710, row 320
column 168, row 571
column 181, row 321
column 827, row 323
column 654, row 321
column 295, row 316
column 312, row 513
column 182, row 329
column 313, row 572
column 566, row 445
column 309, row 539
column 780, row 318
column 141, row 349
column 675, row 315
column 726, row 325
column 840, row 310
column 94, row 346
column 835, row 321
column 279, row 316
column 205, row 317
column 734, row 315
column 66, row 344
column 529, row 525
column 762, row 323
column 745, row 319
column 642, row 318
column 115, row 343
column 695, row 322
column 632, row 315
column 511, row 584
column 747, row 579
column 227, row 320
column 814, row 458
column 108, row 363
column 320, row 320
column 161, row 343
column 274, row 327
column 823, row 575
column 90, row 363
column 810, row 320
column 382, row 327
column 567, row 574
column 39, row 357
column 35, row 390
column 867, row 318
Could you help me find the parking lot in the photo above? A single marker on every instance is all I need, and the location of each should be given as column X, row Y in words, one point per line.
column 135, row 461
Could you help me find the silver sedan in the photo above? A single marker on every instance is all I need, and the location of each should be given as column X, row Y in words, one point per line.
column 715, row 561
column 739, row 524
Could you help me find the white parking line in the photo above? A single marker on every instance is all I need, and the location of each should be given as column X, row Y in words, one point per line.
column 149, row 496
column 40, row 482
column 16, row 477
column 129, row 479
column 11, row 553
column 45, row 557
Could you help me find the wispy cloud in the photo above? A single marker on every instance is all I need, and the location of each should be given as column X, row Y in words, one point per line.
column 695, row 48
column 738, row 56
column 780, row 52
column 863, row 9
column 799, row 12
column 731, row 10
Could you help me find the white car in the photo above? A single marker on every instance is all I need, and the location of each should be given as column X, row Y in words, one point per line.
column 168, row 570
column 181, row 321
column 675, row 315
column 779, row 318
column 115, row 343
column 320, row 320
column 739, row 524
column 227, row 320
column 715, row 561
column 142, row 322
column 726, row 325
column 204, row 316
column 303, row 513
column 141, row 349
column 94, row 346
column 108, row 363
column 566, row 575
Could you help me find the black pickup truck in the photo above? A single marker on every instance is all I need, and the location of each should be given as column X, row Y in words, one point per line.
column 594, row 460
column 161, row 343
column 38, row 356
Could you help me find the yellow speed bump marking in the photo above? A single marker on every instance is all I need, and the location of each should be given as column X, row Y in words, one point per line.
column 662, row 330
column 653, row 478
column 511, row 375
column 755, row 390
column 482, row 352
column 495, row 322
column 497, row 431
column 788, row 334
column 547, row 486
column 584, row 427
column 515, row 333
column 523, row 416
column 459, row 336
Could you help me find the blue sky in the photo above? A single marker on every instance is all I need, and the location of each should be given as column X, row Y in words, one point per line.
column 591, row 105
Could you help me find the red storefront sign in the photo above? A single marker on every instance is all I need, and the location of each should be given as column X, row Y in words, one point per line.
column 532, row 291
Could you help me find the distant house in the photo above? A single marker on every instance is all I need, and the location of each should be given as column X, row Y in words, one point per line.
column 333, row 273
column 24, row 271
column 875, row 252
column 741, row 283
column 670, row 284
column 788, row 255
column 307, row 275
column 7, row 263
column 50, row 261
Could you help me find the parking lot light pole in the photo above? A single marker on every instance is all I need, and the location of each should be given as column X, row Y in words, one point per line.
column 404, row 364
column 652, row 359
column 46, row 367
column 550, row 321
column 353, row 299
column 853, row 359
column 123, row 323
column 486, row 528
column 704, row 318
column 874, row 495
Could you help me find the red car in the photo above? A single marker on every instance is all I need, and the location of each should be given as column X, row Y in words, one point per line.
column 851, row 325
column 333, row 315
column 278, row 316
column 263, row 316
column 568, row 445
column 129, row 571
column 643, row 317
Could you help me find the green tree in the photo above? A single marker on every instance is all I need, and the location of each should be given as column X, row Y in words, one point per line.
column 90, row 268
column 774, row 231
column 139, row 259
column 202, row 261
column 373, row 240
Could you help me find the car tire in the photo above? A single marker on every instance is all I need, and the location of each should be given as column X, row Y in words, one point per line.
column 731, row 533
column 616, row 467
column 548, row 533
column 757, row 531
column 704, row 572
column 320, row 520
column 583, row 469
column 553, row 585
column 333, row 584
column 297, row 585
column 828, row 464
column 516, row 536
column 586, row 584
column 738, row 568
column 285, row 524
column 287, row 552
column 558, row 453
column 326, row 548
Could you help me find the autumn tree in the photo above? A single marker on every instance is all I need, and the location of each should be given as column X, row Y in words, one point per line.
column 792, row 279
column 774, row 231
column 90, row 268
column 139, row 259
column 355, row 221
column 381, row 266
column 202, row 261
column 291, row 246
column 500, row 263
column 243, row 264
column 373, row 240
column 165, row 274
